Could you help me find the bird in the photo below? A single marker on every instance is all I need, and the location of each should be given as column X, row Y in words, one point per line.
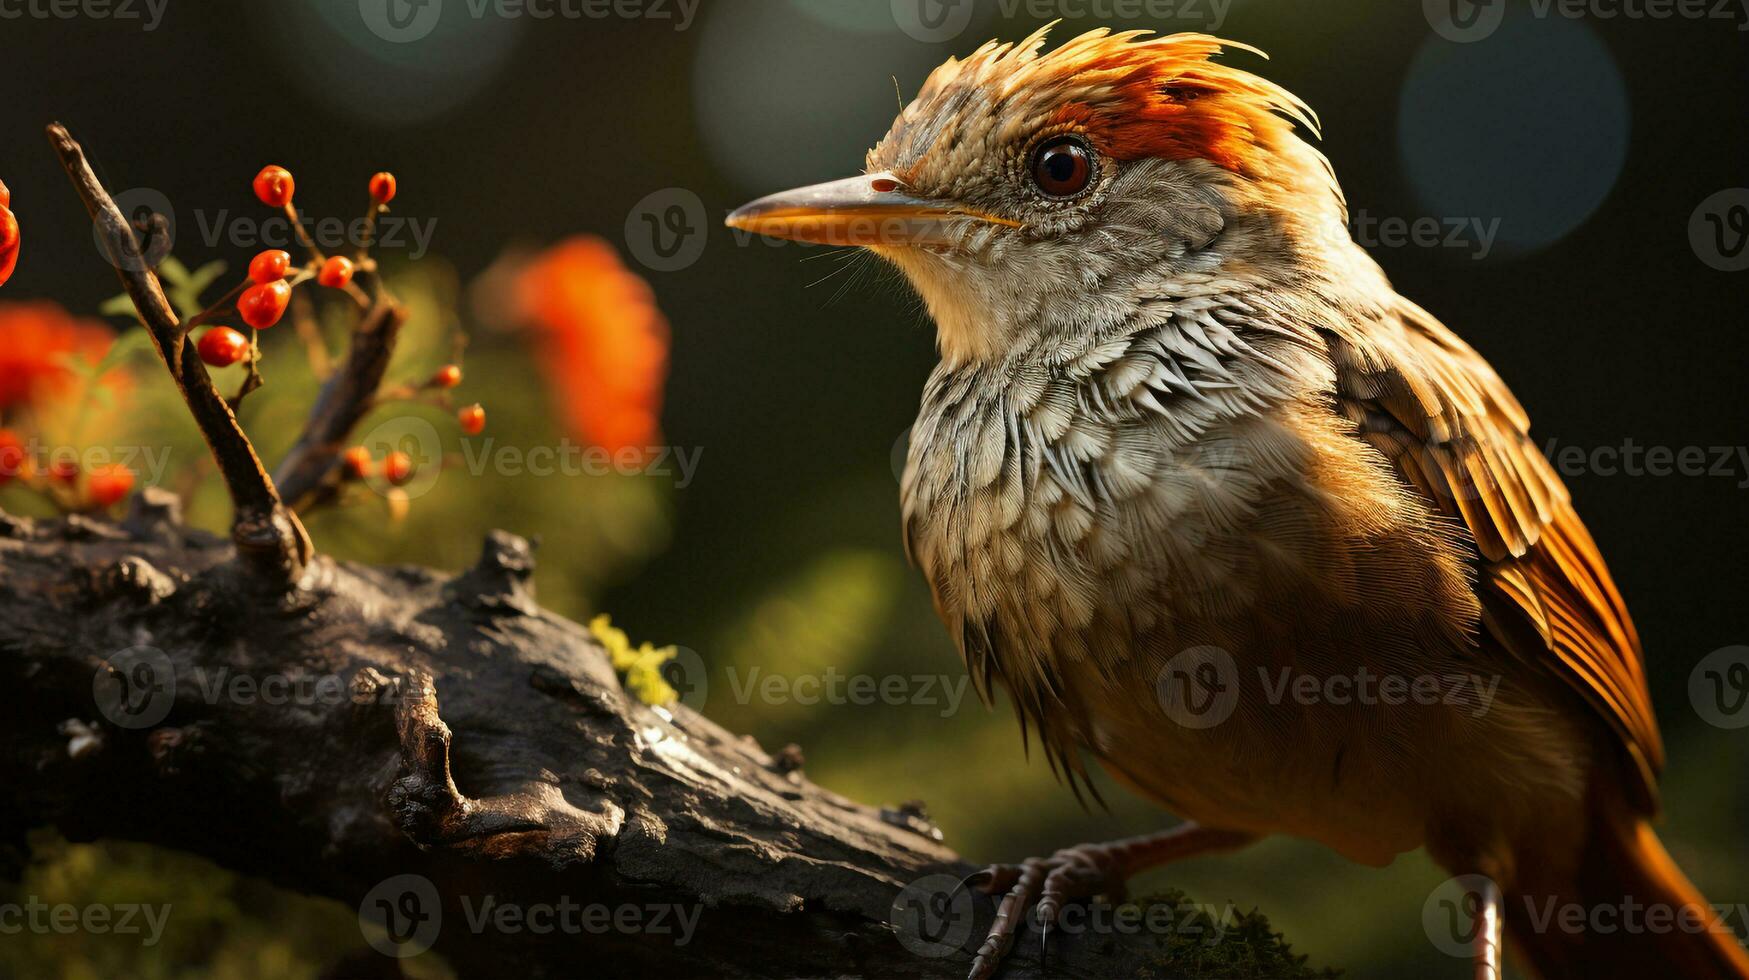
column 1188, row 458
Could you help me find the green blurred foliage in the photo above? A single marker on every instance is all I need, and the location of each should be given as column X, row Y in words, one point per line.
column 214, row 924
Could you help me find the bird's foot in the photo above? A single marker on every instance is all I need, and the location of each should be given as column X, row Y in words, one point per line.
column 1042, row 886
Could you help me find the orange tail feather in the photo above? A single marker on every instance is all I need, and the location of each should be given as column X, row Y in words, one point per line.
column 1629, row 912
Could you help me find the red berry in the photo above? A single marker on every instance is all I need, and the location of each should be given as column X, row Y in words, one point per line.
column 472, row 419
column 11, row 456
column 447, row 376
column 397, row 467
column 109, row 484
column 269, row 265
column 274, row 186
column 6, row 195
column 64, row 469
column 8, row 244
column 222, row 347
column 264, row 303
column 336, row 272
column 356, row 462
column 382, row 187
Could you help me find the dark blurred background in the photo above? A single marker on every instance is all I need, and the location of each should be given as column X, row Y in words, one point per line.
column 1555, row 174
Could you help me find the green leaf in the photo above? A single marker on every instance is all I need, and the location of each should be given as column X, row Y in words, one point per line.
column 125, row 345
column 118, row 305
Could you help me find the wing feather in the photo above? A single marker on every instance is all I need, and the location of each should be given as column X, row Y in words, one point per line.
column 1455, row 433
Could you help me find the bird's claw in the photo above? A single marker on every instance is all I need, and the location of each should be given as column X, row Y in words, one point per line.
column 1042, row 884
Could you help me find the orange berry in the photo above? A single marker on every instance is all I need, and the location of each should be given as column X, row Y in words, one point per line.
column 382, row 187
column 222, row 347
column 472, row 419
column 336, row 272
column 447, row 376
column 355, row 463
column 264, row 303
column 269, row 265
column 397, row 467
column 109, row 484
column 6, row 195
column 274, row 186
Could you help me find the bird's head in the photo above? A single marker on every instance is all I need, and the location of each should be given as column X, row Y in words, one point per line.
column 1023, row 191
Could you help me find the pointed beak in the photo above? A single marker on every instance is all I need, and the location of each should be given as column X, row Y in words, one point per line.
column 874, row 209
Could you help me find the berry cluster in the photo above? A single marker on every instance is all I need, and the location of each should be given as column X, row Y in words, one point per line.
column 262, row 299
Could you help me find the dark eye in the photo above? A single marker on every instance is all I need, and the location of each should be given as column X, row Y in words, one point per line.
column 1063, row 167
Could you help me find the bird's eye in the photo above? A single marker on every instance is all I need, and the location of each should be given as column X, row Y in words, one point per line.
column 1062, row 167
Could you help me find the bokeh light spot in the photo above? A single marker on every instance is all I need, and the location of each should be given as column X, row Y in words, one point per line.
column 1529, row 126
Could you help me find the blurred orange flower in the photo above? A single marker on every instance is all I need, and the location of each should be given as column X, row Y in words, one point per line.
column 36, row 339
column 603, row 344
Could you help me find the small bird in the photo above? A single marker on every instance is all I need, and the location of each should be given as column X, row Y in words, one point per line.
column 1188, row 460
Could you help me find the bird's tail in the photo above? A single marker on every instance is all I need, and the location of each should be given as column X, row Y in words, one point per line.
column 1629, row 911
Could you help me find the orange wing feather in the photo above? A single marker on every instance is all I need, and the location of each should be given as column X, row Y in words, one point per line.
column 1436, row 409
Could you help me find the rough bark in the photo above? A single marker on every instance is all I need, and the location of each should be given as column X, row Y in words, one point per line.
column 448, row 728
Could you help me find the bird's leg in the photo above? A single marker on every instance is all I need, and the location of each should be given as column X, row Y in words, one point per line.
column 1082, row 871
column 1488, row 931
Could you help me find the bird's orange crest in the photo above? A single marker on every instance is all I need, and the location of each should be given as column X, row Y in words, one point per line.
column 1136, row 95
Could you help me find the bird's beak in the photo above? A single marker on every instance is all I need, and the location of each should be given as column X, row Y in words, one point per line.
column 874, row 209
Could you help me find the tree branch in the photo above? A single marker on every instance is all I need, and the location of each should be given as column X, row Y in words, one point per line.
column 268, row 535
column 308, row 471
column 449, row 732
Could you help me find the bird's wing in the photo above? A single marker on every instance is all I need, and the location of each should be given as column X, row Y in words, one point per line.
column 1434, row 407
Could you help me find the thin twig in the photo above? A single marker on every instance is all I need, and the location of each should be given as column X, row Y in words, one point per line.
column 264, row 530
column 343, row 402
